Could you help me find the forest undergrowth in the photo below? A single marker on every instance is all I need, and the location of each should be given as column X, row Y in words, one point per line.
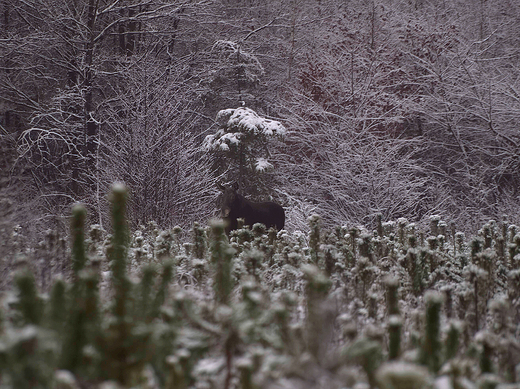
column 392, row 308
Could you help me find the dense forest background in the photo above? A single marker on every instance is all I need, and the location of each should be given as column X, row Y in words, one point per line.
column 406, row 108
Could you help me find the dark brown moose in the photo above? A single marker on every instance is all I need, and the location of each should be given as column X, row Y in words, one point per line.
column 235, row 206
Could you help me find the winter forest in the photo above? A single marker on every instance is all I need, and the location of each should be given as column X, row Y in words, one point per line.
column 387, row 130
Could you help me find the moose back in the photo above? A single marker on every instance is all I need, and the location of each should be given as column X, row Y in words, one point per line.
column 235, row 206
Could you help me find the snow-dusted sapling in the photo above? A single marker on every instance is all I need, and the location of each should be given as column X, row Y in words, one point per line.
column 235, row 206
column 240, row 147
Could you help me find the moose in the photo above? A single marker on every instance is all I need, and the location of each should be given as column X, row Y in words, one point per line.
column 236, row 206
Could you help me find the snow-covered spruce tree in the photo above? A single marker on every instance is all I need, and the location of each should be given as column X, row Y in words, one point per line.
column 240, row 147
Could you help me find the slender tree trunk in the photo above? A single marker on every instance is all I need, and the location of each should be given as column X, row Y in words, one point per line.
column 91, row 125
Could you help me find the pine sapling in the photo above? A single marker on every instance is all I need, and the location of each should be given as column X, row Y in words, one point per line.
column 317, row 289
column 76, row 335
column 177, row 232
column 372, row 304
column 258, row 229
column 443, row 228
column 453, row 338
column 448, row 295
column 412, row 241
column 354, row 235
column 95, row 239
column 512, row 232
column 394, row 336
column 476, row 245
column 272, row 235
column 162, row 291
column 75, row 332
column 163, row 245
column 30, row 305
column 329, row 258
column 253, row 260
column 92, row 324
column 474, row 275
column 221, row 260
column 401, row 230
column 365, row 248
column 434, row 225
column 252, row 298
column 144, row 300
column 433, row 243
column 57, row 307
column 395, row 374
column 379, row 222
column 246, row 368
column 461, row 248
column 392, row 299
column 367, row 353
column 199, row 240
column 453, row 229
column 430, row 354
column 487, row 233
column 486, row 354
column 118, row 251
column 282, row 317
column 314, row 238
column 79, row 256
column 92, row 308
column 176, row 377
column 118, row 338
column 415, row 269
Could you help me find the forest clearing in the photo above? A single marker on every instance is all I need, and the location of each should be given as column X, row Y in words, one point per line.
column 379, row 137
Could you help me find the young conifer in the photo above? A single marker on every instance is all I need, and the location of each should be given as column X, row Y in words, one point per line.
column 245, row 367
column 318, row 285
column 394, row 336
column 365, row 247
column 30, row 304
column 162, row 292
column 79, row 255
column 57, row 307
column 314, row 237
column 143, row 309
column 431, row 347
column 221, row 259
column 453, row 339
column 176, row 377
column 402, row 223
column 118, row 251
column 379, row 222
column 75, row 337
column 118, row 342
column 434, row 225
column 199, row 240
column 392, row 286
column 486, row 353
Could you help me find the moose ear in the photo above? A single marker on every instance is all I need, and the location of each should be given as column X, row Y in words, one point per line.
column 221, row 187
column 235, row 186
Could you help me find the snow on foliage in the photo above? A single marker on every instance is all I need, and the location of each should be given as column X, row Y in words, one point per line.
column 239, row 122
column 263, row 164
column 230, row 51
